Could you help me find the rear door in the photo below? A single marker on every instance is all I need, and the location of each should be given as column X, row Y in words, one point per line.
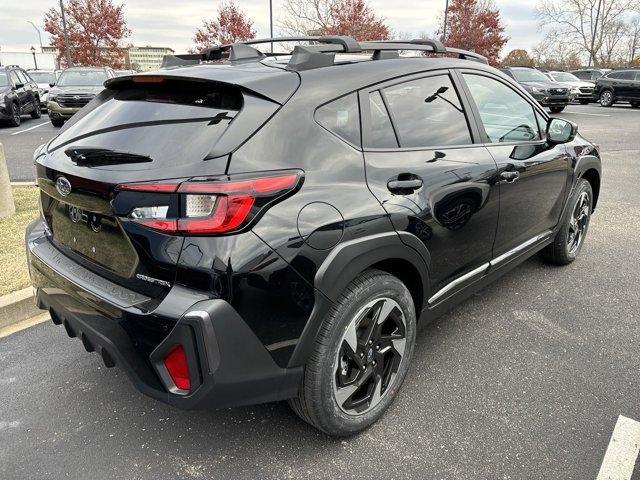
column 20, row 89
column 533, row 176
column 423, row 166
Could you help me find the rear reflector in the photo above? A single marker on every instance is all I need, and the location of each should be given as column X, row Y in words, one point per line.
column 178, row 368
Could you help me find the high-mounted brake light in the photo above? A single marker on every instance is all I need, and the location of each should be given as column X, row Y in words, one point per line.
column 212, row 207
column 176, row 364
column 147, row 79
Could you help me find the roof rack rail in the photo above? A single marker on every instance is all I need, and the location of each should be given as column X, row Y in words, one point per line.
column 315, row 56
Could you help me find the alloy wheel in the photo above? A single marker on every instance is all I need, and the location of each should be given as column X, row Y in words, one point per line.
column 15, row 111
column 369, row 356
column 606, row 99
column 579, row 222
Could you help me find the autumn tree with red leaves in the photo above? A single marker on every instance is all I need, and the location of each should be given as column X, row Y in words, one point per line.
column 476, row 25
column 231, row 25
column 96, row 29
column 356, row 19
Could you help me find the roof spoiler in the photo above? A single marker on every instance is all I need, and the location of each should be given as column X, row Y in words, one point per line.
column 320, row 54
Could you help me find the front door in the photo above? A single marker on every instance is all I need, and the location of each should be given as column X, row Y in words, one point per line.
column 423, row 166
column 534, row 176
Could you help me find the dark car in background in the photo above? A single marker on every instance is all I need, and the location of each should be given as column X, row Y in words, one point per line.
column 73, row 90
column 19, row 95
column 582, row 90
column 269, row 228
column 548, row 93
column 619, row 86
column 589, row 74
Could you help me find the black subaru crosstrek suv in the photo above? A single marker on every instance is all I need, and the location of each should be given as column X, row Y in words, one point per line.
column 549, row 93
column 254, row 228
column 19, row 95
column 619, row 86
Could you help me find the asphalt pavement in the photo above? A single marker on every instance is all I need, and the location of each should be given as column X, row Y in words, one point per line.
column 525, row 380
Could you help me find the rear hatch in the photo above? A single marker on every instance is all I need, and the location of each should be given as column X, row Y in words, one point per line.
column 162, row 128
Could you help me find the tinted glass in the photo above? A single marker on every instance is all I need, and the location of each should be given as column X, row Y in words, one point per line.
column 615, row 75
column 564, row 77
column 4, row 79
column 82, row 78
column 43, row 77
column 14, row 77
column 506, row 116
column 341, row 117
column 23, row 78
column 529, row 75
column 381, row 134
column 427, row 112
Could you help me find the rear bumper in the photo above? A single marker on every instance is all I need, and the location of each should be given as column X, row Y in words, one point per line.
column 228, row 365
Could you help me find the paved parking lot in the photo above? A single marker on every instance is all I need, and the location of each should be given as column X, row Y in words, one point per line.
column 526, row 380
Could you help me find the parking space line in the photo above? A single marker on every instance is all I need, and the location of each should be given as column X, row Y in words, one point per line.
column 590, row 114
column 622, row 452
column 27, row 129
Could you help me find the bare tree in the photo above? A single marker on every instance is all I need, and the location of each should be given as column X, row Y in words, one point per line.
column 593, row 24
column 306, row 17
column 554, row 53
column 633, row 40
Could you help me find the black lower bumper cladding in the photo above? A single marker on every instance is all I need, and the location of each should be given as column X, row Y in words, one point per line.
column 228, row 365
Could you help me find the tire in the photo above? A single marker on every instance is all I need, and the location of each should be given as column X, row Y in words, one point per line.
column 635, row 104
column 606, row 98
column 36, row 112
column 333, row 360
column 584, row 102
column 14, row 120
column 57, row 122
column 568, row 242
column 556, row 109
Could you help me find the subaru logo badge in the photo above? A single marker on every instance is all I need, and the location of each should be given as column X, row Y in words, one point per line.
column 76, row 97
column 63, row 186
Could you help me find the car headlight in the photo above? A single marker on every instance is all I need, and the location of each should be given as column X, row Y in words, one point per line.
column 39, row 151
column 537, row 90
column 52, row 98
column 575, row 91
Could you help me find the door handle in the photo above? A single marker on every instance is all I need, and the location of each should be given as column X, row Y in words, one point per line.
column 510, row 177
column 404, row 187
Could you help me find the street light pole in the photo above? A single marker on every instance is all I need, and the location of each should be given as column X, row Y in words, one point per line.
column 446, row 15
column 66, row 37
column 33, row 52
column 271, row 22
column 37, row 30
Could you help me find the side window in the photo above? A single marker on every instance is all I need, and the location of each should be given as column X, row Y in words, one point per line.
column 615, row 75
column 342, row 117
column 428, row 113
column 506, row 116
column 14, row 78
column 628, row 75
column 24, row 79
column 381, row 131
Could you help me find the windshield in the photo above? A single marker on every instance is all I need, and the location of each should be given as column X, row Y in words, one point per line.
column 42, row 77
column 4, row 80
column 82, row 78
column 565, row 77
column 529, row 75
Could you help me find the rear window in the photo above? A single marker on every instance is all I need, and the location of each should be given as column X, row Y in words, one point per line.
column 342, row 117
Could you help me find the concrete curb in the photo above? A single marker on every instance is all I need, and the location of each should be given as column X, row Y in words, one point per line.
column 17, row 306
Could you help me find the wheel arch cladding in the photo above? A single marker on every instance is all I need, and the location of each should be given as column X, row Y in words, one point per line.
column 384, row 251
column 593, row 177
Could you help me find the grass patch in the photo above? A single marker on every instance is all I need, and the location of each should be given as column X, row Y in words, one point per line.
column 13, row 258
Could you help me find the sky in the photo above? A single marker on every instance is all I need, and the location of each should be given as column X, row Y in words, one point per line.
column 172, row 23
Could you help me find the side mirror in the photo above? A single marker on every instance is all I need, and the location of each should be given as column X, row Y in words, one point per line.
column 561, row 131
column 52, row 84
column 19, row 85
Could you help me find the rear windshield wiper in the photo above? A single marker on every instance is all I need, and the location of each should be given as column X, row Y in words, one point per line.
column 101, row 156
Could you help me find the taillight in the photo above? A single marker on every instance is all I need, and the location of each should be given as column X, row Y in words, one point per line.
column 176, row 364
column 212, row 206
